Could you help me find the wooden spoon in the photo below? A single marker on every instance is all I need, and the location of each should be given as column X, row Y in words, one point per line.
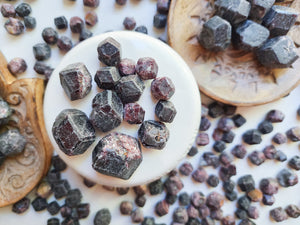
column 233, row 77
column 20, row 174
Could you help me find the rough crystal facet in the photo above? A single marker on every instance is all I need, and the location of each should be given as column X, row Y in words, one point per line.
column 134, row 113
column 109, row 52
column 153, row 134
column 117, row 155
column 73, row 132
column 165, row 111
column 162, row 88
column 12, row 142
column 107, row 77
column 76, row 81
column 107, row 111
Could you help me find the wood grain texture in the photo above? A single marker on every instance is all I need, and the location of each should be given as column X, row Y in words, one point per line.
column 20, row 174
column 233, row 76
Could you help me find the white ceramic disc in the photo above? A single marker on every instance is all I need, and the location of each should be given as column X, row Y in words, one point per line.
column 186, row 99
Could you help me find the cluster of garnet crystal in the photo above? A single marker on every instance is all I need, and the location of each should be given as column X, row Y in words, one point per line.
column 116, row 154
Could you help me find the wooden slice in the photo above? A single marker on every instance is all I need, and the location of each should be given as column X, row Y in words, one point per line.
column 20, row 174
column 233, row 77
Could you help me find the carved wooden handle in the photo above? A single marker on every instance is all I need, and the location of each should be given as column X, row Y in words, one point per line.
column 20, row 174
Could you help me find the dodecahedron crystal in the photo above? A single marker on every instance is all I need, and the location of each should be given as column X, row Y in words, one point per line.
column 146, row 68
column 279, row 20
column 287, row 178
column 107, row 77
column 76, row 81
column 259, row 8
column 117, row 155
column 41, row 51
column 153, row 134
column 12, row 142
column 278, row 52
column 252, row 137
column 162, row 88
column 250, row 35
column 130, row 88
column 5, row 112
column 107, row 111
column 165, row 111
column 215, row 35
column 234, row 11
column 134, row 113
column 109, row 52
column 73, row 132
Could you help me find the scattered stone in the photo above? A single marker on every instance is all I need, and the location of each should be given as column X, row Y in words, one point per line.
column 294, row 162
column 137, row 215
column 173, row 185
column 279, row 138
column 280, row 156
column 88, row 183
column 85, row 34
column 29, row 22
column 184, row 199
column 204, row 211
column 73, row 198
column 215, row 109
column 219, row 146
column 199, row 175
column 252, row 137
column 213, row 181
column 76, row 24
column 8, row 10
column 53, row 208
column 61, row 22
column 23, row 9
column 171, row 199
column 211, row 159
column 162, row 88
column 126, row 207
column 73, row 132
column 241, row 214
column 102, row 217
column 257, row 158
column 202, row 139
column 12, row 142
column 275, row 116
column 244, row 203
column 292, row 211
column 225, row 159
column 162, row 208
column 255, row 195
column 91, row 18
column 239, row 151
column 17, row 66
column 193, row 151
column 278, row 214
column 246, row 183
column 41, row 51
column 160, row 20
column 133, row 113
column 270, row 152
column 231, row 196
column 91, row 3
column 39, row 204
column 180, row 215
column 50, row 35
column 14, row 26
column 141, row 29
column 64, row 43
column 215, row 200
column 186, row 168
column 226, row 172
column 265, row 127
column 205, row 124
column 60, row 188
column 287, row 178
column 228, row 220
column 156, row 187
column 238, row 120
column 129, row 23
column 268, row 186
column 140, row 201
column 293, row 134
column 21, row 206
column 216, row 214
column 162, row 6
column 268, row 200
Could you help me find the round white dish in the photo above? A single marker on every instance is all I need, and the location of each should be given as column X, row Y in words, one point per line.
column 186, row 99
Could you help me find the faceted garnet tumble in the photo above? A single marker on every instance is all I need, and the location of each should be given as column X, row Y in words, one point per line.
column 278, row 52
column 117, row 155
column 250, row 35
column 76, row 81
column 216, row 34
column 109, row 52
column 162, row 88
column 73, row 132
column 153, row 134
column 107, row 77
column 259, row 8
column 279, row 20
column 146, row 68
column 134, row 113
column 107, row 111
column 130, row 88
column 234, row 11
column 165, row 111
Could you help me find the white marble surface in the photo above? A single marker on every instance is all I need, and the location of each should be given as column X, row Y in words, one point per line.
column 110, row 18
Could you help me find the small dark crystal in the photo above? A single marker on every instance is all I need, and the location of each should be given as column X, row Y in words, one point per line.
column 219, row 146
column 165, row 111
column 198, row 199
column 76, row 24
column 39, row 204
column 126, row 67
column 107, row 112
column 257, row 158
column 294, row 162
column 186, row 168
column 268, row 200
column 162, row 88
column 270, row 152
column 137, row 215
column 14, row 26
column 204, row 211
column 239, row 151
column 215, row 200
column 193, row 151
column 23, row 9
column 234, row 11
column 102, row 217
column 156, row 187
column 216, row 34
column 109, row 52
column 21, row 205
column 180, row 215
column 173, row 185
column 244, row 202
column 294, row 134
column 50, row 35
column 275, row 116
column 241, row 213
column 279, row 138
column 126, row 207
column 29, row 22
column 60, row 188
column 133, row 113
column 231, row 196
column 280, row 156
column 91, row 18
column 129, row 23
column 238, row 120
column 53, row 208
column 213, row 181
column 199, row 175
column 64, row 43
column 141, row 29
column 160, row 20
column 61, row 22
column 162, row 6
column 58, row 163
column 279, row 20
column 202, row 139
column 140, row 201
column 184, row 199
column 287, row 178
column 171, row 199
column 215, row 109
column 278, row 52
column 85, row 34
column 246, row 183
column 153, row 134
column 252, row 137
column 228, row 137
column 8, row 10
column 292, row 211
column 205, row 124
column 73, row 198
column 278, row 214
column 41, row 51
column 130, row 88
column 265, row 127
column 268, row 186
column 73, row 132
column 53, row 221
column 12, row 142
column 107, row 77
column 162, row 208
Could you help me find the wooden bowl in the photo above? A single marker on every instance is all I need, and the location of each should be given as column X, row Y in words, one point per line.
column 20, row 174
column 233, row 77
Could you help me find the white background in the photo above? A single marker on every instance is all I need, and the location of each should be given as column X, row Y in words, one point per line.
column 111, row 18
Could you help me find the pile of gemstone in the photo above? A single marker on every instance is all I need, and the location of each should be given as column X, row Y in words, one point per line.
column 116, row 154
column 255, row 25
